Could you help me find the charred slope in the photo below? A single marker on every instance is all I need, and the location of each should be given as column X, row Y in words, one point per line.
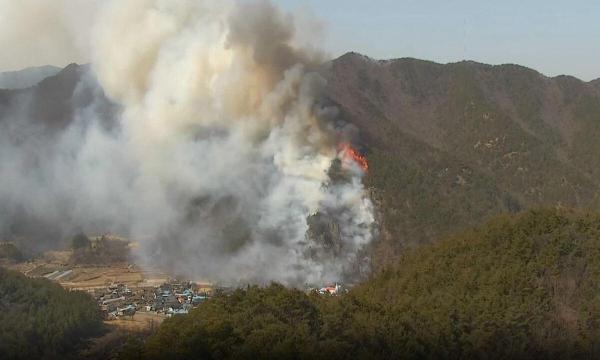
column 449, row 145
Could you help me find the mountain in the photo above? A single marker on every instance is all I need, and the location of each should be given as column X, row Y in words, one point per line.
column 448, row 145
column 451, row 145
column 27, row 77
column 35, row 116
column 54, row 100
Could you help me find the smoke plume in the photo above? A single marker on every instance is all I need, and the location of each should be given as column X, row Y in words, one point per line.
column 44, row 32
column 218, row 151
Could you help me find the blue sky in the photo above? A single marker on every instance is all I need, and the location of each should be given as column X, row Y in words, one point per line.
column 553, row 37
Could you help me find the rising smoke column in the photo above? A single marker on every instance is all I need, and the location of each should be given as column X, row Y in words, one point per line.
column 223, row 149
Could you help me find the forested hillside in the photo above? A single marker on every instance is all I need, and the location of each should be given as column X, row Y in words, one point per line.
column 521, row 286
column 450, row 145
column 41, row 320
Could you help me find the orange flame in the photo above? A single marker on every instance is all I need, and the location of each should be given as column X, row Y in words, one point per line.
column 349, row 152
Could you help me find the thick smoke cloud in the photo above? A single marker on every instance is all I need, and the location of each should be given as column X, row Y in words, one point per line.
column 219, row 152
column 44, row 32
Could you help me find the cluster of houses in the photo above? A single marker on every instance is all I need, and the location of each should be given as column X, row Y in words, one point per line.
column 171, row 298
column 331, row 289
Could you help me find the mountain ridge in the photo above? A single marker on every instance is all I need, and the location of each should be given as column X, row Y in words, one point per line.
column 466, row 61
column 449, row 145
column 453, row 144
column 27, row 77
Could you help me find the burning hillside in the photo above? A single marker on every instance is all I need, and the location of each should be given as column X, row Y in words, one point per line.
column 219, row 151
column 349, row 154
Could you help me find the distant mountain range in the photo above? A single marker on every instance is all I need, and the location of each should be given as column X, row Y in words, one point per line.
column 35, row 116
column 27, row 77
column 448, row 145
column 54, row 98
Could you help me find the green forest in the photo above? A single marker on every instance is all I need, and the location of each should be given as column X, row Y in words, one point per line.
column 519, row 286
column 41, row 320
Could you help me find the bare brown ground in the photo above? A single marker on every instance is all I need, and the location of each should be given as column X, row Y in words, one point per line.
column 142, row 324
column 142, row 321
column 89, row 277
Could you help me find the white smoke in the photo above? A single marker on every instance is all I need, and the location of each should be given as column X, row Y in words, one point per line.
column 221, row 152
column 44, row 32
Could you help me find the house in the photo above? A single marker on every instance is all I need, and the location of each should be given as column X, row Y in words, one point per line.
column 128, row 310
column 171, row 312
column 331, row 289
column 113, row 300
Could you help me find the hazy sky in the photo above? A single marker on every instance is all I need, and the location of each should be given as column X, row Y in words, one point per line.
column 551, row 36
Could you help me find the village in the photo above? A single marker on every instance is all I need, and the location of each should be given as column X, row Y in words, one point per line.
column 124, row 290
column 170, row 298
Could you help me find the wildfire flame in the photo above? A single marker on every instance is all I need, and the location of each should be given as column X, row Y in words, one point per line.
column 348, row 152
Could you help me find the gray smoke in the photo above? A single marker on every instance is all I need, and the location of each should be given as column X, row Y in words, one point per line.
column 45, row 32
column 27, row 77
column 217, row 152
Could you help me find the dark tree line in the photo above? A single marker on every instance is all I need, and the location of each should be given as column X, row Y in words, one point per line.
column 41, row 320
column 521, row 286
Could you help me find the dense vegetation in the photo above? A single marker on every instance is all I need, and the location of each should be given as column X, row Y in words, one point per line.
column 523, row 286
column 98, row 251
column 451, row 145
column 39, row 319
column 80, row 241
column 9, row 251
